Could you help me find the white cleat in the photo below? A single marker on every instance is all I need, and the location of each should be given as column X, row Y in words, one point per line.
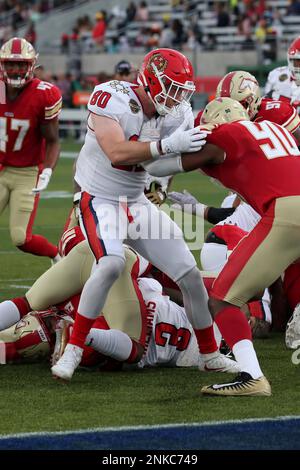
column 219, row 363
column 69, row 361
column 292, row 333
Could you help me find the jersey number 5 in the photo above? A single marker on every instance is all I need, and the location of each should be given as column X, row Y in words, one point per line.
column 166, row 333
column 275, row 141
column 20, row 125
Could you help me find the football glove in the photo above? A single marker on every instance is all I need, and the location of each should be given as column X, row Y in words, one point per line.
column 43, row 181
column 155, row 194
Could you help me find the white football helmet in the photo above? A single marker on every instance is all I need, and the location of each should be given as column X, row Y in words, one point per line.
column 17, row 62
column 223, row 110
column 243, row 87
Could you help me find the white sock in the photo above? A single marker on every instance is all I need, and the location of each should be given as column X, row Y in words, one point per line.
column 112, row 343
column 9, row 314
column 217, row 334
column 245, row 356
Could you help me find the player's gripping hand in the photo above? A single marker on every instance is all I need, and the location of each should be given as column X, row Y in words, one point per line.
column 182, row 198
column 43, row 181
column 180, row 141
column 155, row 193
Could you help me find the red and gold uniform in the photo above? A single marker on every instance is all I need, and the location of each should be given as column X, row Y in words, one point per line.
column 262, row 165
column 24, row 116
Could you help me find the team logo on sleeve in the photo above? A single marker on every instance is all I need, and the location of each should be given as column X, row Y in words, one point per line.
column 283, row 77
column 159, row 61
column 134, row 106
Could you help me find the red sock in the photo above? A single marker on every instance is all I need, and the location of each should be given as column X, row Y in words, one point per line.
column 233, row 325
column 22, row 305
column 206, row 340
column 39, row 246
column 81, row 329
column 134, row 352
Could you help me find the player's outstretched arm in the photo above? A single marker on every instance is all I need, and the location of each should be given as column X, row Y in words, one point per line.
column 111, row 138
column 50, row 133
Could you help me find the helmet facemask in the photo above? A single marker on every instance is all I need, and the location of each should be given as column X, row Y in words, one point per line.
column 251, row 104
column 172, row 94
column 16, row 73
column 294, row 67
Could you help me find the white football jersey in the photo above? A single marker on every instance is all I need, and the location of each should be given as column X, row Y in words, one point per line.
column 94, row 171
column 171, row 335
column 244, row 217
column 280, row 83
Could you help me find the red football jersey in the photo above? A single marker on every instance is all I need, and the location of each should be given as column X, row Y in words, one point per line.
column 22, row 142
column 281, row 112
column 261, row 163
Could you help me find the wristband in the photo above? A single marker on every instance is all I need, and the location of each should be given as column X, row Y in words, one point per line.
column 200, row 209
column 154, row 149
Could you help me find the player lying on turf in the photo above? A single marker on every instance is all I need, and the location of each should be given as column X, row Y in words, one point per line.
column 125, row 310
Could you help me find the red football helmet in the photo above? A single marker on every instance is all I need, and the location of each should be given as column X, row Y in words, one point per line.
column 294, row 59
column 167, row 76
column 17, row 62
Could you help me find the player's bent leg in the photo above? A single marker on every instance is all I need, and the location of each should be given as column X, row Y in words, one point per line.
column 91, row 303
column 11, row 311
column 172, row 256
column 63, row 280
column 115, row 344
column 23, row 207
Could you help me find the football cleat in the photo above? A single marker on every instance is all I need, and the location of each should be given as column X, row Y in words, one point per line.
column 242, row 385
column 69, row 361
column 62, row 333
column 292, row 333
column 220, row 363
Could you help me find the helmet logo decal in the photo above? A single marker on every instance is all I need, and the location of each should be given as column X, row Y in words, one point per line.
column 159, row 61
column 248, row 83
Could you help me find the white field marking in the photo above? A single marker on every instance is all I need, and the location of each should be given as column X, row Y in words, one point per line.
column 16, row 286
column 69, row 154
column 158, row 426
column 10, row 252
column 56, row 195
column 4, row 281
column 38, row 227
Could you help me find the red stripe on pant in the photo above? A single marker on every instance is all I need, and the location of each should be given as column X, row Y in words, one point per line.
column 90, row 222
column 241, row 255
column 143, row 308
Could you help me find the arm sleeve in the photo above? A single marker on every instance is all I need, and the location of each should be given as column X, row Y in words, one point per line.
column 52, row 103
column 164, row 166
column 217, row 214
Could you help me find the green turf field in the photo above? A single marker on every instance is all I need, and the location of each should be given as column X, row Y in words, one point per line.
column 32, row 401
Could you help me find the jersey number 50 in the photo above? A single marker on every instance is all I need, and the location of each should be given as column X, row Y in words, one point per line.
column 275, row 140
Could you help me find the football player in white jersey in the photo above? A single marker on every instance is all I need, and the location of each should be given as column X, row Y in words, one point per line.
column 284, row 82
column 113, row 205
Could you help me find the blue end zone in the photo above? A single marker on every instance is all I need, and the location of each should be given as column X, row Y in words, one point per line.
column 268, row 434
